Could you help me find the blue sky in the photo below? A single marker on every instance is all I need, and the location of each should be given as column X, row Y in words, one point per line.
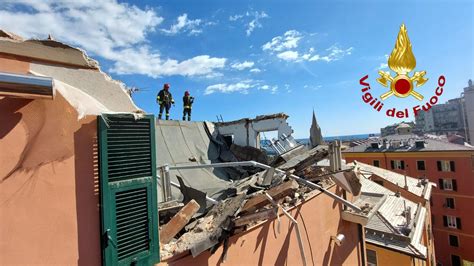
column 245, row 58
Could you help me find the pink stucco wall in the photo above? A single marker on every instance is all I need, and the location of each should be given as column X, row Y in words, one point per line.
column 49, row 204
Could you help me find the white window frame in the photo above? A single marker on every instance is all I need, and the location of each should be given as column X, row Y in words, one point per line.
column 447, row 184
column 451, row 221
column 445, row 166
column 397, row 164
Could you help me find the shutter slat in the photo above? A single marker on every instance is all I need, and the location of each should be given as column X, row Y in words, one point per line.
column 132, row 219
column 129, row 158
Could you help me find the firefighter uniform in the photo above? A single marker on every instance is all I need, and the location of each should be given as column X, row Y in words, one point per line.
column 188, row 101
column 165, row 100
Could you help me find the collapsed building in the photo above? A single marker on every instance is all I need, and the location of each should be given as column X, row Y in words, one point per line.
column 88, row 178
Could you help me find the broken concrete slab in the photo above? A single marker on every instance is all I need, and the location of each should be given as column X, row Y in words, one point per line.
column 208, row 230
column 178, row 222
column 308, row 158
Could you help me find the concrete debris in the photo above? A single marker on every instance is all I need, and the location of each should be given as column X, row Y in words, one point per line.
column 250, row 205
column 208, row 230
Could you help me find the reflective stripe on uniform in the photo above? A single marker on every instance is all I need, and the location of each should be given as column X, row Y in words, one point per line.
column 187, row 107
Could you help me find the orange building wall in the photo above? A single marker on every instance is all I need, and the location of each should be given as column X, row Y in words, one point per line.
column 318, row 219
column 391, row 257
column 49, row 204
column 464, row 196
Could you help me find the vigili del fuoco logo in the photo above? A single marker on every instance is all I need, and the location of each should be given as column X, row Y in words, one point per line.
column 402, row 84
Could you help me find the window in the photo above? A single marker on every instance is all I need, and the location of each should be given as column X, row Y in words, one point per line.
column 455, row 260
column 453, row 241
column 397, row 164
column 449, row 203
column 371, row 257
column 420, row 165
column 448, row 184
column 376, row 163
column 446, row 166
column 452, row 222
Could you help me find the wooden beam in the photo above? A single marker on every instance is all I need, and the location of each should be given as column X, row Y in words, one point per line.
column 277, row 193
column 178, row 222
column 255, row 217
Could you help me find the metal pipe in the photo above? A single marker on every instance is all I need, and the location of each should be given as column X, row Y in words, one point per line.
column 211, row 200
column 293, row 220
column 264, row 166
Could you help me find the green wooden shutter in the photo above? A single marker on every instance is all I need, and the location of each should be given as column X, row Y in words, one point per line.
column 128, row 190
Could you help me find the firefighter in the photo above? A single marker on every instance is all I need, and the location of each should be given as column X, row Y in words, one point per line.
column 188, row 101
column 165, row 100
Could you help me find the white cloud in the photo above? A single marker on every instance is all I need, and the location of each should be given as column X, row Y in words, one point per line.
column 288, row 55
column 196, row 66
column 109, row 29
column 241, row 87
column 289, row 40
column 252, row 20
column 183, row 24
column 382, row 66
column 243, row 65
column 287, row 47
column 235, row 17
column 272, row 89
column 255, row 70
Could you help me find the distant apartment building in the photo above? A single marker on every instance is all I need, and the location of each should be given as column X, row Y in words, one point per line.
column 456, row 116
column 451, row 167
column 468, row 108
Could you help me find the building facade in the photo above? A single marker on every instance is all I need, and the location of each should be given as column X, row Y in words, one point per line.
column 468, row 111
column 448, row 165
column 392, row 129
column 456, row 116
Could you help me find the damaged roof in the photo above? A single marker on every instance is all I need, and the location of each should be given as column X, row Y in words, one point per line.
column 257, row 118
column 393, row 226
column 414, row 185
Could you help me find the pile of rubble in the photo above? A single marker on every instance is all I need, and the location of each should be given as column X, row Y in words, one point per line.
column 266, row 196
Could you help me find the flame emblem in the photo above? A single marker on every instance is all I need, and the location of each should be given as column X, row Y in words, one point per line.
column 402, row 61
